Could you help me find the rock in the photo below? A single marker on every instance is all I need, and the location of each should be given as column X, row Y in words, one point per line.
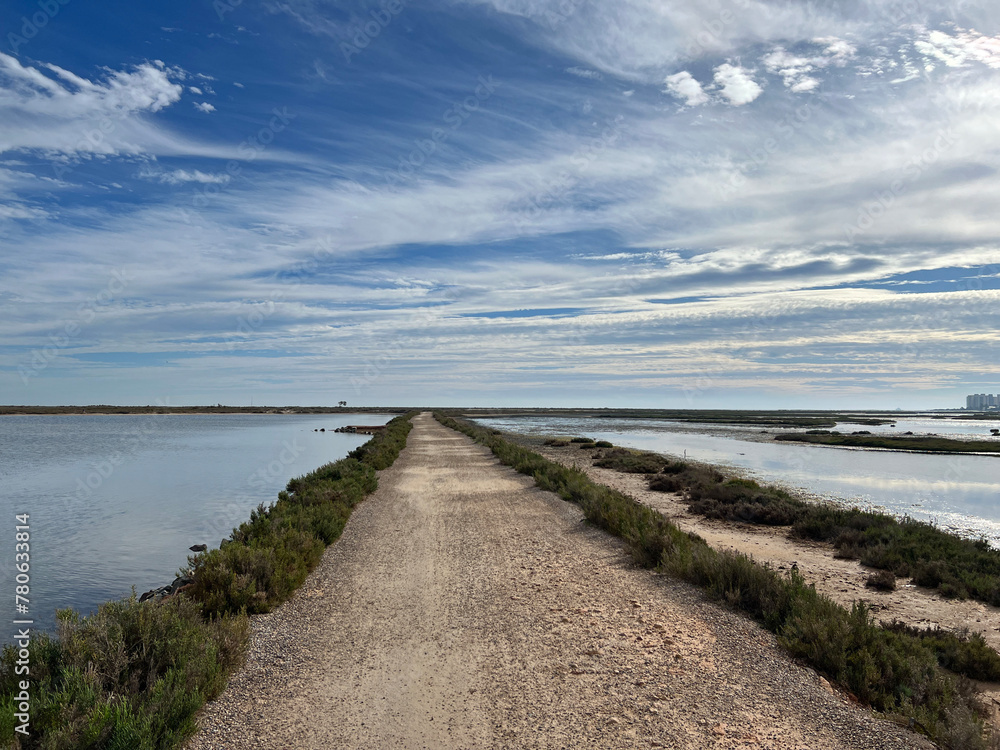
column 179, row 583
column 148, row 595
column 198, row 547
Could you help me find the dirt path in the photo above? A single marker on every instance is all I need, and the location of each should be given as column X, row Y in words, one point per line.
column 839, row 579
column 465, row 608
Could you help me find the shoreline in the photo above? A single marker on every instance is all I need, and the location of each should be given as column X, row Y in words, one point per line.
column 500, row 619
column 842, row 580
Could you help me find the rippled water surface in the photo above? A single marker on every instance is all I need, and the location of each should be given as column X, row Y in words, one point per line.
column 957, row 492
column 115, row 501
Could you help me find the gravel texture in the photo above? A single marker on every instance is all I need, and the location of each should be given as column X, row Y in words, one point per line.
column 465, row 608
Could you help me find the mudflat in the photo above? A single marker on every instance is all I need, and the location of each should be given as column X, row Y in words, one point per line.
column 465, row 608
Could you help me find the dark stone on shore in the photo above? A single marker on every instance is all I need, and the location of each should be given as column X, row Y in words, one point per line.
column 198, row 547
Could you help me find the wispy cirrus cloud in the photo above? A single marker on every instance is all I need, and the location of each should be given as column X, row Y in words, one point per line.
column 664, row 241
column 54, row 110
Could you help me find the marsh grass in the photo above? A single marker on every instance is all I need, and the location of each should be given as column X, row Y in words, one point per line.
column 955, row 567
column 896, row 673
column 133, row 675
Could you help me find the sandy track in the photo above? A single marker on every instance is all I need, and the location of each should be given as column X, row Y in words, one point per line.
column 839, row 579
column 465, row 608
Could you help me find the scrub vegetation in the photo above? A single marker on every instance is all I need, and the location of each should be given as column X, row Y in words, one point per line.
column 133, row 675
column 893, row 442
column 895, row 672
column 955, row 567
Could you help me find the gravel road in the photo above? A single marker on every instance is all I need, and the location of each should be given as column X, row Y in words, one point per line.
column 465, row 608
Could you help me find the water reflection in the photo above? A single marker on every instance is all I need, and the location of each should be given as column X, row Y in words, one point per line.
column 956, row 492
column 116, row 500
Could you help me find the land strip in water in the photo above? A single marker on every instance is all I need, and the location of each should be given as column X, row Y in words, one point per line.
column 464, row 607
column 923, row 444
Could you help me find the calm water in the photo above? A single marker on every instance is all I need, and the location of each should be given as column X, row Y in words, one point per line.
column 115, row 501
column 959, row 493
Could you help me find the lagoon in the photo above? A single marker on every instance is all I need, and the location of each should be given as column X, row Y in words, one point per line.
column 958, row 493
column 116, row 500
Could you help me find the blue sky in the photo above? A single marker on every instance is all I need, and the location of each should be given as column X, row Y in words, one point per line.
column 744, row 203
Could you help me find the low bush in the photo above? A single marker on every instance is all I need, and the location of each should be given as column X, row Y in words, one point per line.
column 269, row 556
column 630, row 461
column 883, row 580
column 894, row 672
column 955, row 567
column 557, row 442
column 133, row 675
column 604, row 444
column 130, row 676
column 963, row 652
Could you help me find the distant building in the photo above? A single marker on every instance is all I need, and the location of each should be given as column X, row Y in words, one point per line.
column 982, row 401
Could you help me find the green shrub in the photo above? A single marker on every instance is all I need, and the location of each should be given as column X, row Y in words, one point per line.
column 631, row 461
column 132, row 676
column 955, row 567
column 894, row 672
column 270, row 555
column 882, row 580
column 604, row 444
column 129, row 676
column 962, row 652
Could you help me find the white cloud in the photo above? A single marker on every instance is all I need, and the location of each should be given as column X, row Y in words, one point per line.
column 204, row 107
column 960, row 49
column 684, row 86
column 195, row 90
column 643, row 40
column 19, row 211
column 179, row 176
column 70, row 115
column 585, row 73
column 238, row 85
column 737, row 85
column 796, row 70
